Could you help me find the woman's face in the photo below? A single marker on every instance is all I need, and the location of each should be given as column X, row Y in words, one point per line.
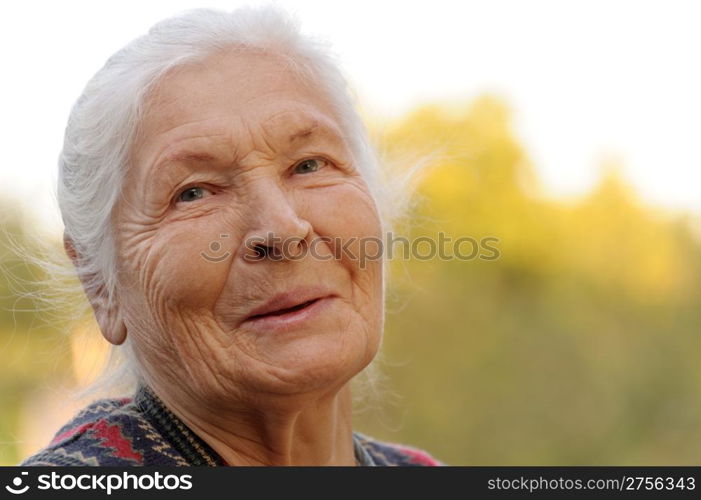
column 243, row 199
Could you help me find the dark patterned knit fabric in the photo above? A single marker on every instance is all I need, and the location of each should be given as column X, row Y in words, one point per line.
column 142, row 431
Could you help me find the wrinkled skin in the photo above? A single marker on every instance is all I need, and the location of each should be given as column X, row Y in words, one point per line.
column 223, row 126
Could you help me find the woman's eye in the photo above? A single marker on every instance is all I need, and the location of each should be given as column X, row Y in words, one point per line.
column 306, row 166
column 192, row 194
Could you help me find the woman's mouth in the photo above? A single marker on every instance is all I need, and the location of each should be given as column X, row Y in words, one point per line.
column 286, row 310
column 289, row 310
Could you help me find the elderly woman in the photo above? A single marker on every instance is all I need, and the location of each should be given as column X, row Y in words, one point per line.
column 217, row 189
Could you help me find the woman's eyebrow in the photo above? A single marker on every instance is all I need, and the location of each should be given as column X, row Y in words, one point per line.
column 178, row 160
column 315, row 131
column 306, row 133
column 179, row 156
column 185, row 157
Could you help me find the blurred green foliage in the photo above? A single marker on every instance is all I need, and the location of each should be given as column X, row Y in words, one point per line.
column 32, row 349
column 578, row 345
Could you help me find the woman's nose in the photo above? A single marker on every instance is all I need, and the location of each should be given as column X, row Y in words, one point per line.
column 276, row 230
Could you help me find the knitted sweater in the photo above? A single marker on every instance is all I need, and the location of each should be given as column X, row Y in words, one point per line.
column 142, row 431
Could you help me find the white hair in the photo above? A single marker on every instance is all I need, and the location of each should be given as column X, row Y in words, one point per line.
column 103, row 123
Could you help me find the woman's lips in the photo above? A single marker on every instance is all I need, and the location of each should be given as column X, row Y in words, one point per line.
column 289, row 318
column 289, row 298
column 286, row 310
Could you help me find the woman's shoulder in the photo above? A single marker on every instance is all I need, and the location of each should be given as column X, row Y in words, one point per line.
column 395, row 454
column 107, row 432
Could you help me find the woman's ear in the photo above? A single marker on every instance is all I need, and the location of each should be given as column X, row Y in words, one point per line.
column 108, row 316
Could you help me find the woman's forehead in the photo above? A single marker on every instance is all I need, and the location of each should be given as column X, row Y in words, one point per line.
column 235, row 95
column 238, row 82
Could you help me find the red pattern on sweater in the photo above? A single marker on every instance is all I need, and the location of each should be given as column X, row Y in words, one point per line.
column 112, row 436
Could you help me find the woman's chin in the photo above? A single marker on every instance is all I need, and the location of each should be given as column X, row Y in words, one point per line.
column 308, row 366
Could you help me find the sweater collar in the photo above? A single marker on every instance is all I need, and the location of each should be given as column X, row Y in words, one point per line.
column 192, row 447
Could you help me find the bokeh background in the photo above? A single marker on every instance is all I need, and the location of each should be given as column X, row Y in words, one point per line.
column 567, row 130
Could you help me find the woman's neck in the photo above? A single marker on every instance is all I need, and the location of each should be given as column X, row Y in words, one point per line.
column 309, row 431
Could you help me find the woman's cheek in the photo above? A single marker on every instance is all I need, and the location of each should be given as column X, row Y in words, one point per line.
column 188, row 266
column 344, row 209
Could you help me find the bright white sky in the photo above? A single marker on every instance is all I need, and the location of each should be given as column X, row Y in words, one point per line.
column 584, row 79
